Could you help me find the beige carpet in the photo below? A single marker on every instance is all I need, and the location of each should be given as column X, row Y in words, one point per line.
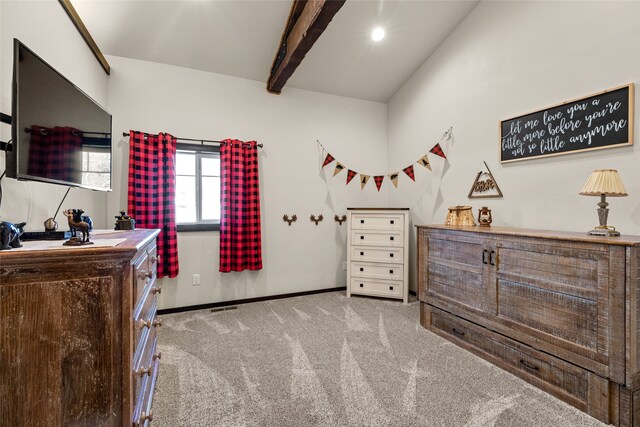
column 328, row 360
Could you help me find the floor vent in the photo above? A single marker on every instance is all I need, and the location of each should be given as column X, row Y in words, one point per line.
column 231, row 307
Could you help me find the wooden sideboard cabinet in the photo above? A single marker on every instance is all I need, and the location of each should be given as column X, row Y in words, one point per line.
column 77, row 333
column 560, row 310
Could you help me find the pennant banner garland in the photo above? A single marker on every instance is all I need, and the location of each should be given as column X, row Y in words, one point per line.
column 437, row 149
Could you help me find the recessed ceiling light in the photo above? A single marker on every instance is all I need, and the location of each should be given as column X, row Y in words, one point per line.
column 377, row 34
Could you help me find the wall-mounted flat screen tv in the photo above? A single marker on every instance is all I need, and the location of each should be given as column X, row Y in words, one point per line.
column 60, row 135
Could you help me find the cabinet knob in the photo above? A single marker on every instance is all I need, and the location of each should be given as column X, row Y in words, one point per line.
column 390, row 288
column 361, row 269
column 391, row 222
column 142, row 371
column 153, row 259
column 144, row 323
column 156, row 290
column 362, row 221
column 158, row 355
column 391, row 255
column 390, row 271
column 361, row 237
column 157, row 322
column 144, row 417
column 390, row 237
column 142, row 275
column 361, row 285
column 361, row 253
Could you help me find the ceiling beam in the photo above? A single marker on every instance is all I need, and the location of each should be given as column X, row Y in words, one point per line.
column 307, row 21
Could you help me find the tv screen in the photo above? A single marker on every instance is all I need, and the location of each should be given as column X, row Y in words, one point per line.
column 60, row 135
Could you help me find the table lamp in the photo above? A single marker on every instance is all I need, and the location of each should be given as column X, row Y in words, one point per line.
column 603, row 183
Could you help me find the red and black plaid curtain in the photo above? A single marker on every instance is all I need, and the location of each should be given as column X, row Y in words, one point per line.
column 55, row 153
column 152, row 193
column 240, row 234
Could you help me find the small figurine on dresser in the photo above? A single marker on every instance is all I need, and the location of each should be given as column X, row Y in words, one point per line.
column 484, row 217
column 77, row 223
column 125, row 222
column 10, row 235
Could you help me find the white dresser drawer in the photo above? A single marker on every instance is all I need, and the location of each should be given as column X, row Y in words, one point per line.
column 377, row 270
column 375, row 254
column 383, row 288
column 391, row 238
column 377, row 221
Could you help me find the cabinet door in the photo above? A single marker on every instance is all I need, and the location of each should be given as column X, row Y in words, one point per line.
column 558, row 295
column 457, row 266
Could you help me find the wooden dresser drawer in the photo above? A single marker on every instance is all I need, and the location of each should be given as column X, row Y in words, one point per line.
column 143, row 316
column 373, row 254
column 382, row 221
column 569, row 382
column 377, row 270
column 383, row 288
column 143, row 413
column 391, row 238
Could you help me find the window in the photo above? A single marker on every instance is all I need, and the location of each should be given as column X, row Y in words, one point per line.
column 197, row 188
column 96, row 168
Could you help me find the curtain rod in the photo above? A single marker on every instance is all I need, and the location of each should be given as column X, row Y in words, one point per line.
column 202, row 141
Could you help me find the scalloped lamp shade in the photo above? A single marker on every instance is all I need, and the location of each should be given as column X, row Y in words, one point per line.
column 604, row 182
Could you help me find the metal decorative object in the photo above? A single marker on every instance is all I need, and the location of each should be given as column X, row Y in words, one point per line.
column 484, row 217
column 316, row 219
column 74, row 217
column 289, row 219
column 125, row 222
column 460, row 216
column 340, row 219
column 10, row 235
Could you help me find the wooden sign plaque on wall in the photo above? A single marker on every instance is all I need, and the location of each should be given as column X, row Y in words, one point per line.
column 599, row 121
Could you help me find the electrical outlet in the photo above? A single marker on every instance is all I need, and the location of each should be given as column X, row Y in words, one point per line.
column 196, row 280
column 344, row 265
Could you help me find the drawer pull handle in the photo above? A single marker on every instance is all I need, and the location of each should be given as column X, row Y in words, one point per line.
column 144, row 275
column 142, row 371
column 391, row 222
column 361, row 269
column 391, row 255
column 390, row 288
column 361, row 285
column 529, row 365
column 156, row 290
column 492, row 259
column 361, row 237
column 144, row 323
column 362, row 221
column 153, row 259
column 390, row 237
column 390, row 271
column 484, row 256
column 144, row 417
column 457, row 332
column 361, row 253
column 157, row 322
column 158, row 355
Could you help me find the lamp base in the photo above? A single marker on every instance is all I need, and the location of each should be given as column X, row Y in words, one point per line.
column 606, row 231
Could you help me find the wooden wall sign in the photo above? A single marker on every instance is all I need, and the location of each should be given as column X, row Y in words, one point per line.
column 485, row 185
column 603, row 120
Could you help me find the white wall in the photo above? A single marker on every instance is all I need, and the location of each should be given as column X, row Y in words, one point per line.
column 47, row 30
column 153, row 97
column 505, row 59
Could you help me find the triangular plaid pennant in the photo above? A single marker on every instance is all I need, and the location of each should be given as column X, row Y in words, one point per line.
column 350, row 175
column 424, row 161
column 378, row 179
column 338, row 169
column 363, row 180
column 394, row 179
column 437, row 150
column 328, row 160
column 409, row 171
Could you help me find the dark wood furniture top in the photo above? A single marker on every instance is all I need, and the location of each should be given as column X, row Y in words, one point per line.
column 77, row 334
column 378, row 209
column 560, row 310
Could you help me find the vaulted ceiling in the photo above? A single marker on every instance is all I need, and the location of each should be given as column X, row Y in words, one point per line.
column 240, row 38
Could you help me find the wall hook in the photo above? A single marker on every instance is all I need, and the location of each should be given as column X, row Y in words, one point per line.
column 340, row 219
column 316, row 219
column 288, row 219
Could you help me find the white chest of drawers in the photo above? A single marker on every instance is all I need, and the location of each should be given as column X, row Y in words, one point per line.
column 377, row 252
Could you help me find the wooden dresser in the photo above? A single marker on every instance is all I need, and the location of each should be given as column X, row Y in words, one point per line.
column 77, row 333
column 560, row 310
column 377, row 252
